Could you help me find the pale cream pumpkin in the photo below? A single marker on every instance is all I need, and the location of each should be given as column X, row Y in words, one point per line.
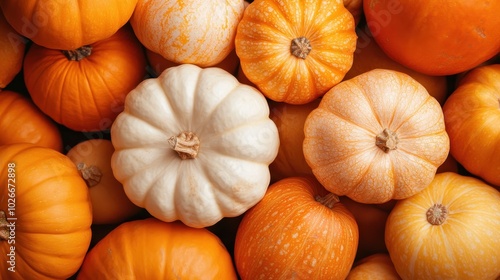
column 194, row 145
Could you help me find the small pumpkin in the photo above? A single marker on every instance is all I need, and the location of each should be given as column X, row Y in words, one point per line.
column 45, row 214
column 295, row 51
column 472, row 115
column 152, row 249
column 195, row 32
column 110, row 205
column 23, row 122
column 12, row 47
column 194, row 145
column 297, row 231
column 447, row 231
column 84, row 89
column 374, row 267
column 376, row 137
column 67, row 25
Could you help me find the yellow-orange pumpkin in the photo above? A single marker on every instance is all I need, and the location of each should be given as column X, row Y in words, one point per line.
column 374, row 267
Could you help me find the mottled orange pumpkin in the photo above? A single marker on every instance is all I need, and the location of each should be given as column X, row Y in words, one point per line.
column 374, row 267
column 12, row 46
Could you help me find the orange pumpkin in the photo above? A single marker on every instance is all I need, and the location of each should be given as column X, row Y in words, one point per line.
column 195, row 32
column 297, row 231
column 472, row 116
column 447, row 231
column 67, row 25
column 376, row 137
column 295, row 51
column 152, row 249
column 374, row 267
column 23, row 122
column 110, row 204
column 85, row 89
column 45, row 214
column 12, row 47
column 355, row 7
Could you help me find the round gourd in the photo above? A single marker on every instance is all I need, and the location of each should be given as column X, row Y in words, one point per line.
column 447, row 231
column 374, row 267
column 376, row 137
column 45, row 214
column 194, row 145
column 12, row 47
column 152, row 249
column 84, row 89
column 295, row 51
column 297, row 231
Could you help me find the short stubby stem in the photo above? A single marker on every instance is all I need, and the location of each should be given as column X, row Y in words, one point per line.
column 186, row 144
column 91, row 174
column 328, row 200
column 387, row 140
column 78, row 54
column 4, row 229
column 437, row 214
column 300, row 47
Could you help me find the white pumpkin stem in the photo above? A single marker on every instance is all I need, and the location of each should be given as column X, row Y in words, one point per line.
column 4, row 230
column 186, row 144
column 387, row 140
column 91, row 174
column 78, row 54
column 328, row 200
column 437, row 214
column 300, row 47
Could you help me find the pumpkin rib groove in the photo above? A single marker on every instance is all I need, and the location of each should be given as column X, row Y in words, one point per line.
column 209, row 117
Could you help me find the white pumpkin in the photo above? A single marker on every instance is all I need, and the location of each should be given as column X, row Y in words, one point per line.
column 194, row 145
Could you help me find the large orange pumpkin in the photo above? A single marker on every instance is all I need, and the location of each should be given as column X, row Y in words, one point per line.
column 376, row 137
column 85, row 89
column 45, row 214
column 297, row 231
column 152, row 249
column 472, row 118
column 435, row 37
column 450, row 230
column 295, row 51
column 67, row 25
column 12, row 47
column 22, row 122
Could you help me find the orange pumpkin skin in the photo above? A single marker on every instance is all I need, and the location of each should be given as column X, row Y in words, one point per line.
column 53, row 210
column 355, row 7
column 447, row 231
column 295, row 51
column 12, row 47
column 472, row 116
column 435, row 38
column 67, row 25
column 195, row 32
column 297, row 231
column 88, row 94
column 374, row 267
column 23, row 122
column 110, row 204
column 152, row 249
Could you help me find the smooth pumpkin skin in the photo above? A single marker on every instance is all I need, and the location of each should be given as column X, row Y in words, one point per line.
column 290, row 234
column 374, row 267
column 152, row 249
column 194, row 32
column 472, row 115
column 265, row 36
column 53, row 211
column 23, row 122
column 67, row 25
column 438, row 37
column 465, row 246
column 341, row 137
column 110, row 204
column 86, row 95
column 355, row 7
column 12, row 47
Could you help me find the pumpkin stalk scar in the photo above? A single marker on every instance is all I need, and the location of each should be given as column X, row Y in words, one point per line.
column 186, row 144
column 328, row 200
column 78, row 54
column 91, row 174
column 4, row 230
column 300, row 47
column 437, row 214
column 386, row 140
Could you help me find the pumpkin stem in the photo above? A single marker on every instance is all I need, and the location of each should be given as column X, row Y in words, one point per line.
column 4, row 230
column 328, row 200
column 91, row 174
column 387, row 140
column 437, row 214
column 300, row 47
column 78, row 54
column 186, row 144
